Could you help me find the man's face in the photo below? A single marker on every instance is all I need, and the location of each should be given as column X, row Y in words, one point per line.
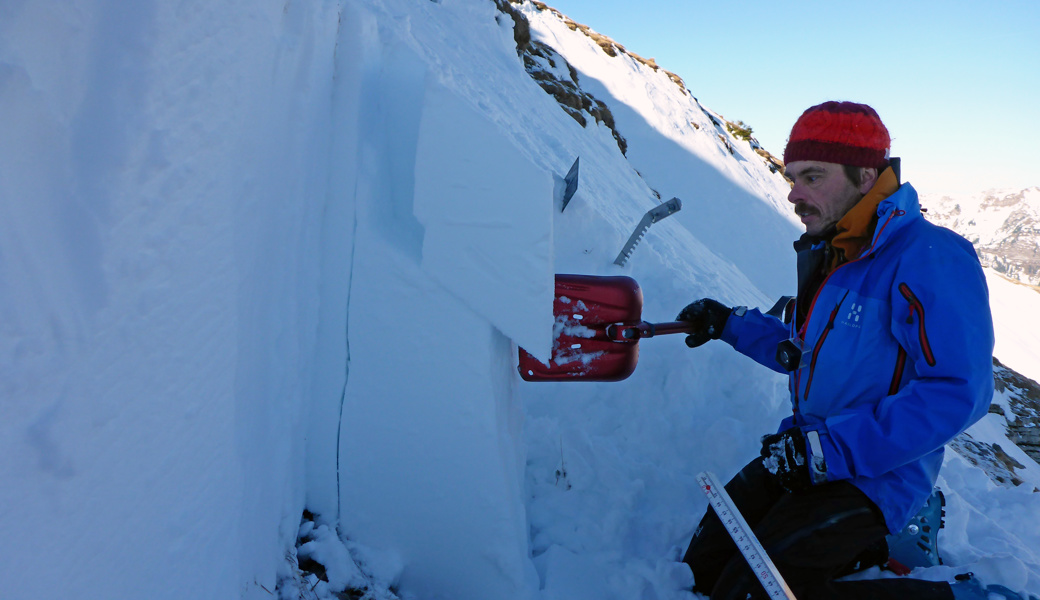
column 822, row 193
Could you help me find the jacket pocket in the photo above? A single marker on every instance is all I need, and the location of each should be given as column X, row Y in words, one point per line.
column 922, row 332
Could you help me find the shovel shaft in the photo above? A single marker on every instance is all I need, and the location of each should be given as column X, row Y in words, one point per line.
column 673, row 327
column 621, row 332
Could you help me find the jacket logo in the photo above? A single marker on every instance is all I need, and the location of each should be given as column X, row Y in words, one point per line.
column 855, row 313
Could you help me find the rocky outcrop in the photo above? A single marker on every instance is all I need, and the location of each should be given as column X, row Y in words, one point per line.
column 1017, row 399
column 557, row 77
column 1022, row 396
column 552, row 72
column 611, row 47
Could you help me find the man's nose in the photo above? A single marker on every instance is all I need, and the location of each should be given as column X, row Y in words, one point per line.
column 795, row 195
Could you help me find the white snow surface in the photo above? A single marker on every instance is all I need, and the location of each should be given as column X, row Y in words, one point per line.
column 1016, row 323
column 257, row 257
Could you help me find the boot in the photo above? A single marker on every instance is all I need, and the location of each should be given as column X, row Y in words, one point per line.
column 917, row 545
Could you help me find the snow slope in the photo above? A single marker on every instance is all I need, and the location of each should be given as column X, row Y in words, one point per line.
column 262, row 257
column 674, row 144
column 612, row 465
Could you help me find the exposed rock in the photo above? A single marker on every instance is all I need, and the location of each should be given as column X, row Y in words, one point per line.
column 1023, row 398
column 991, row 458
column 541, row 62
column 557, row 77
column 1020, row 396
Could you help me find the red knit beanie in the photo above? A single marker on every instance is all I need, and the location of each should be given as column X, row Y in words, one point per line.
column 845, row 133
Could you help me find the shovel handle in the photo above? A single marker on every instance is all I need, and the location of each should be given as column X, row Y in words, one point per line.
column 632, row 332
column 672, row 327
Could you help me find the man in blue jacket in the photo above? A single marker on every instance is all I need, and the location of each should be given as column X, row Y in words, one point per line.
column 888, row 346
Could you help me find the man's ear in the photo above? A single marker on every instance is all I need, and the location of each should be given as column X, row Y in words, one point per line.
column 868, row 177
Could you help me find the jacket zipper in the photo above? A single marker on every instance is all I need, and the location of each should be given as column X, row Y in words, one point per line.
column 801, row 334
column 819, row 344
column 897, row 376
column 867, row 252
column 808, row 315
column 916, row 306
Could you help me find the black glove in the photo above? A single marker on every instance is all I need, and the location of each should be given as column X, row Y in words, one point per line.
column 784, row 455
column 708, row 317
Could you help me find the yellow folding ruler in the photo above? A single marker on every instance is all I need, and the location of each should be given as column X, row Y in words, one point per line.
column 744, row 538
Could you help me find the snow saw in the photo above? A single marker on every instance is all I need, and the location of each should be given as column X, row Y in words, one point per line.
column 596, row 331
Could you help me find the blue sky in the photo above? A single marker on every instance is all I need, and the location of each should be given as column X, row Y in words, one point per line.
column 956, row 82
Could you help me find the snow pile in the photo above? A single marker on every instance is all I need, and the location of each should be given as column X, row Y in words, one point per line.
column 325, row 566
column 262, row 258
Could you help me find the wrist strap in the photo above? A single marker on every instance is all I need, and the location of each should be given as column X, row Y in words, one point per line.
column 817, row 464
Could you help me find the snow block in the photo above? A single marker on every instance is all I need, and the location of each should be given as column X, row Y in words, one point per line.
column 487, row 214
column 431, row 453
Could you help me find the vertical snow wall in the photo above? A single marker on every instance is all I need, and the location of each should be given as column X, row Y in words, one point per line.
column 241, row 246
column 450, row 260
column 163, row 178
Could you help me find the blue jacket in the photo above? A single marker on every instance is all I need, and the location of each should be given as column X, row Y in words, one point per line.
column 898, row 357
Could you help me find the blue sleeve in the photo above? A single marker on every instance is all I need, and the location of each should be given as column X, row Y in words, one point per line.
column 941, row 318
column 756, row 336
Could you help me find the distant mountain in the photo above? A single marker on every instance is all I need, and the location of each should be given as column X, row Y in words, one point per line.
column 1003, row 225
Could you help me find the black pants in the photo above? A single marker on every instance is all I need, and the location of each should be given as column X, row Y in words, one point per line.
column 812, row 537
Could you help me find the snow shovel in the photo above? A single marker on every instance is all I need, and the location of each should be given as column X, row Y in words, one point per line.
column 596, row 331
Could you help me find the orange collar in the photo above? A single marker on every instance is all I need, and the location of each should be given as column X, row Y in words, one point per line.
column 855, row 230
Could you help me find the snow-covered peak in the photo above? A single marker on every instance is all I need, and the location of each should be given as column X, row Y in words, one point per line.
column 986, row 217
column 1004, row 226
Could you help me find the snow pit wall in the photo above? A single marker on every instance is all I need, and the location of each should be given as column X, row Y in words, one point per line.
column 452, row 267
column 162, row 182
column 180, row 190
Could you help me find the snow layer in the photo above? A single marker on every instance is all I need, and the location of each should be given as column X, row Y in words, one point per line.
column 430, row 457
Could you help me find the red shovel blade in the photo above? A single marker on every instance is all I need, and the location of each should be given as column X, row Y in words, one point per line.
column 584, row 306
